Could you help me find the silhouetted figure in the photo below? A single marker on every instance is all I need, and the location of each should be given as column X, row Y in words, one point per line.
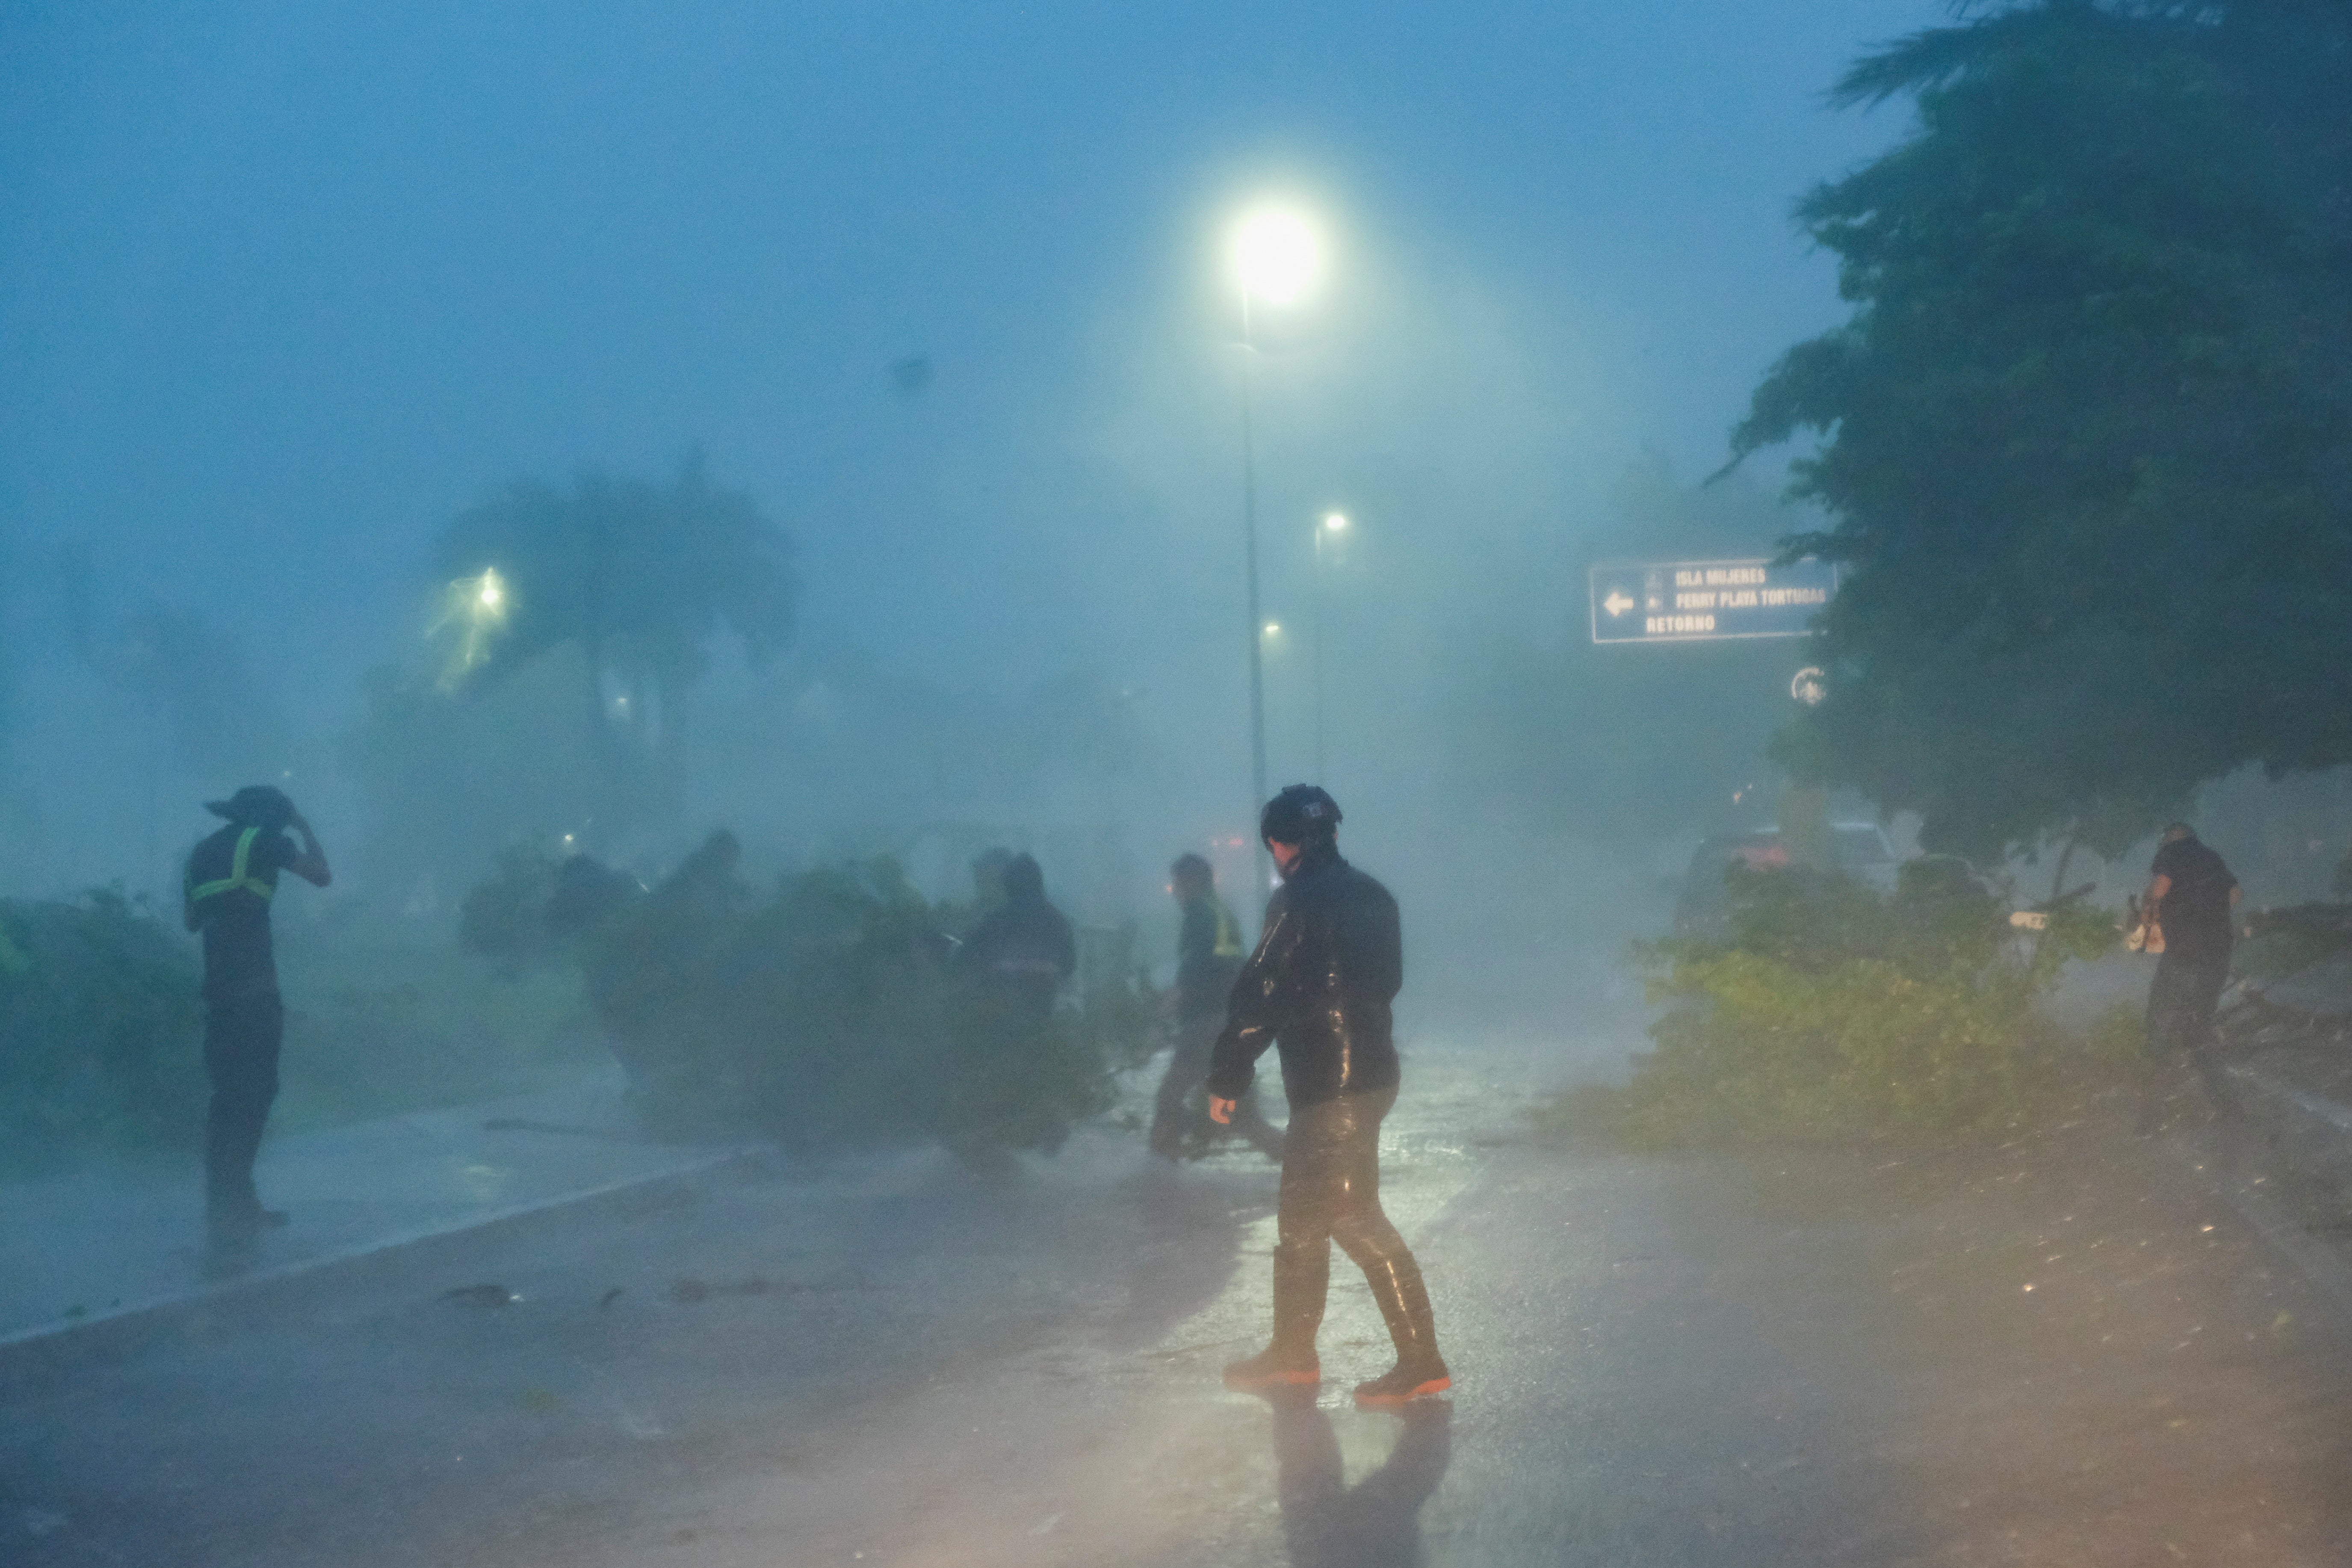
column 2191, row 897
column 1328, row 966
column 1209, row 953
column 1376, row 1523
column 232, row 878
column 1023, row 951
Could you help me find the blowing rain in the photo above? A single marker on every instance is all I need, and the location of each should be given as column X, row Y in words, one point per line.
column 949, row 785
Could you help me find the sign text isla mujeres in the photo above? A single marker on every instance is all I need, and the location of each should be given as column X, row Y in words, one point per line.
column 1703, row 601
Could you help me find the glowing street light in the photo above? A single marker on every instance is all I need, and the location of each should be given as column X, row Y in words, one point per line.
column 475, row 608
column 1273, row 629
column 1277, row 257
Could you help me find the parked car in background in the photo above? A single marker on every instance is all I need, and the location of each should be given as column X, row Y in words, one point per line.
column 1704, row 906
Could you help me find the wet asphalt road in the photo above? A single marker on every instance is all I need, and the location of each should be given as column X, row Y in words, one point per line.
column 2069, row 1350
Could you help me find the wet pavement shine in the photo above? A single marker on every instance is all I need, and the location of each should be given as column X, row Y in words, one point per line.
column 2068, row 1349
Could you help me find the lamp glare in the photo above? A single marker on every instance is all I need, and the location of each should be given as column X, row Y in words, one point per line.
column 1277, row 256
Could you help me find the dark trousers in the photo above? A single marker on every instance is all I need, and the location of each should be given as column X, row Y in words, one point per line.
column 241, row 1043
column 1332, row 1191
column 1188, row 1065
column 2180, row 1003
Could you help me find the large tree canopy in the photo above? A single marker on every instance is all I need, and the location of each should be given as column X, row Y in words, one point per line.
column 2087, row 441
column 638, row 576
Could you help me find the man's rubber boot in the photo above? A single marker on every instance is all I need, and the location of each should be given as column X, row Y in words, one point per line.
column 1403, row 1301
column 1300, row 1281
column 1402, row 1384
column 1277, row 1366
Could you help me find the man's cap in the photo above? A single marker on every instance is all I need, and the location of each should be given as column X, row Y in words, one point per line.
column 1190, row 865
column 1301, row 813
column 2176, row 831
column 255, row 806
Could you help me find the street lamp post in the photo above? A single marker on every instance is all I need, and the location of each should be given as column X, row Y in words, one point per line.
column 1276, row 257
column 1333, row 523
column 1259, row 877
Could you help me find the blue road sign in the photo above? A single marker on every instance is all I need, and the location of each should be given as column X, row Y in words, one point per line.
column 1706, row 601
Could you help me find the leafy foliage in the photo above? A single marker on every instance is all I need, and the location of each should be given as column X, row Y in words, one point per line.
column 100, row 1023
column 639, row 577
column 559, row 708
column 1835, row 1011
column 2087, row 438
column 827, row 1013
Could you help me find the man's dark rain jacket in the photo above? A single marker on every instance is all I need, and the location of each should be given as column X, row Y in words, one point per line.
column 1330, row 961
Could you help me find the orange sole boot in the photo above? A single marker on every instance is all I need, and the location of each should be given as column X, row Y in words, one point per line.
column 1402, row 1386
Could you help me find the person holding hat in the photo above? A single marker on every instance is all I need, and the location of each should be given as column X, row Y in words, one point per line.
column 232, row 877
column 1328, row 966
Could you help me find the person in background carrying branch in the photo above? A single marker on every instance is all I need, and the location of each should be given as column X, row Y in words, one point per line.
column 1209, row 955
column 1023, row 950
column 2191, row 897
column 232, row 877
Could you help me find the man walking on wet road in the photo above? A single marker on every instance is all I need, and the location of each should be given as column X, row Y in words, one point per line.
column 2191, row 897
column 232, row 877
column 1328, row 966
column 1209, row 955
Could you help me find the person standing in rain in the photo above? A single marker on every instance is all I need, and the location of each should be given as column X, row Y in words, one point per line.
column 1209, row 953
column 1023, row 949
column 2191, row 897
column 1326, row 969
column 232, row 877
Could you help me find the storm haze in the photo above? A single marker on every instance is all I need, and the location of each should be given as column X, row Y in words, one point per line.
column 944, row 290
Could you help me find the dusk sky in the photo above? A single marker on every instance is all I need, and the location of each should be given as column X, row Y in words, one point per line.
column 284, row 286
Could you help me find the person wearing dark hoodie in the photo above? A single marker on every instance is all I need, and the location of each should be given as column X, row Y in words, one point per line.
column 1023, row 949
column 232, row 878
column 1319, row 986
column 1209, row 955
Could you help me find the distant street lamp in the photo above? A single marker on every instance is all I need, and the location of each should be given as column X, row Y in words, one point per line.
column 1277, row 258
column 475, row 610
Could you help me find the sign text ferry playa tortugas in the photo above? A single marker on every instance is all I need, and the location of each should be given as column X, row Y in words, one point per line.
column 1706, row 601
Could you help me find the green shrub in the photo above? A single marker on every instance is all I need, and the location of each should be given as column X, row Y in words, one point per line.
column 827, row 1013
column 101, row 1024
column 1832, row 1011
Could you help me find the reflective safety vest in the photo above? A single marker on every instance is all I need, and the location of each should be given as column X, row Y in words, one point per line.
column 236, row 877
column 1229, row 932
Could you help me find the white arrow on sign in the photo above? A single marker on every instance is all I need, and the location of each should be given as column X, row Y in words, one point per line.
column 1616, row 603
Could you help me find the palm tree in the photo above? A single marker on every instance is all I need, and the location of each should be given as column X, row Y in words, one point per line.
column 638, row 576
